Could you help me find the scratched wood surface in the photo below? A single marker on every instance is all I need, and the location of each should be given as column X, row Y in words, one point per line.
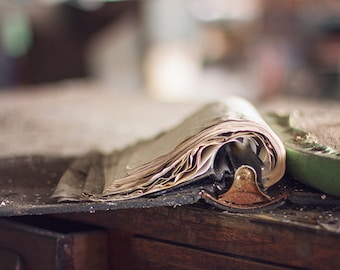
column 188, row 232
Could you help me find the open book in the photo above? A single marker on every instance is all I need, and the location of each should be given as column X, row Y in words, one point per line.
column 225, row 148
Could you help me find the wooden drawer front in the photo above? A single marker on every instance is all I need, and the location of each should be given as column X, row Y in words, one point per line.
column 245, row 236
column 153, row 254
column 43, row 248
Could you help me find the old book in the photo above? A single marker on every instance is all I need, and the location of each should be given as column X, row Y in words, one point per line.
column 225, row 148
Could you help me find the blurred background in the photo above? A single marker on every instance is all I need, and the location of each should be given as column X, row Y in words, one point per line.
column 175, row 49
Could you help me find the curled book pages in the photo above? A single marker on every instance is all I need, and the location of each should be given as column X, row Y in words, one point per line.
column 225, row 149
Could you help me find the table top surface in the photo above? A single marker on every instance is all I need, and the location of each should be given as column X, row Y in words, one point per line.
column 44, row 129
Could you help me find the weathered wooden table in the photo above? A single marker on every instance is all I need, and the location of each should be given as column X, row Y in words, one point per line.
column 50, row 128
column 197, row 236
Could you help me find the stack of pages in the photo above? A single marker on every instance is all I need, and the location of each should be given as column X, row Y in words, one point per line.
column 208, row 149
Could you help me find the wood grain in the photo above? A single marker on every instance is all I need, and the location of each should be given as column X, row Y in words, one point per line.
column 286, row 244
